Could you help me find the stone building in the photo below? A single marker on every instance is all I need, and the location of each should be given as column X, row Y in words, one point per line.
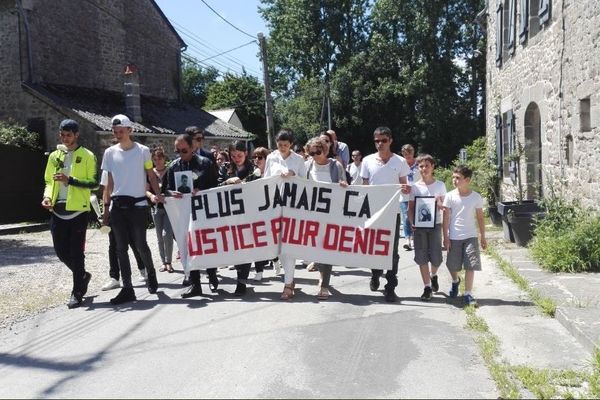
column 543, row 94
column 89, row 60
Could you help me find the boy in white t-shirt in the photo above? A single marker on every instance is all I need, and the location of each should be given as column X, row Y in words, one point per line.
column 427, row 242
column 463, row 210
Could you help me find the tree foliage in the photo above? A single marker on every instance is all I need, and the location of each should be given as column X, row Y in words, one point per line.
column 195, row 81
column 246, row 95
column 407, row 64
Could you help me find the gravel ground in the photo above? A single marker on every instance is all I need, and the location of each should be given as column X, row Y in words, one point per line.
column 32, row 279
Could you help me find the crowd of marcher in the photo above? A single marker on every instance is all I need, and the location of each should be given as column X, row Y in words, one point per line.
column 135, row 178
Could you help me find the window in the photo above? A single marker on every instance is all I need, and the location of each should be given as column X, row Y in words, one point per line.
column 511, row 27
column 523, row 20
column 508, row 143
column 499, row 33
column 534, row 20
column 585, row 117
column 544, row 11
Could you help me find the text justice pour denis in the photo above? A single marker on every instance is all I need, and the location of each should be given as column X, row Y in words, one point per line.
column 318, row 199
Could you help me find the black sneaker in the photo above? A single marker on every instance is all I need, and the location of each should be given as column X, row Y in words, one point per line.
column 240, row 289
column 152, row 283
column 454, row 289
column 125, row 295
column 86, row 282
column 435, row 286
column 390, row 296
column 74, row 301
column 427, row 292
column 193, row 290
column 374, row 284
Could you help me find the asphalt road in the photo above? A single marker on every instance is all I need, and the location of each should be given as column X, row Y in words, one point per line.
column 353, row 345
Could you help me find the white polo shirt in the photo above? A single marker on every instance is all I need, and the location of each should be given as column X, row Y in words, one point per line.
column 277, row 165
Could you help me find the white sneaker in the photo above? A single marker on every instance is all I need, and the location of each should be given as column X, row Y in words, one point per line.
column 143, row 275
column 258, row 277
column 112, row 284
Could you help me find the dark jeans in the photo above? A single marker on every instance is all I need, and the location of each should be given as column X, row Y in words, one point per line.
column 390, row 275
column 243, row 270
column 195, row 275
column 260, row 265
column 68, row 237
column 129, row 226
column 113, row 260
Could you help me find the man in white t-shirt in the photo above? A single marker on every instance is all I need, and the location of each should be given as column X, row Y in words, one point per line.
column 385, row 167
column 354, row 168
column 129, row 165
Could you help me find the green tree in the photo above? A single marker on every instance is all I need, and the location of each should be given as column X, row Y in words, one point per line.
column 195, row 81
column 246, row 95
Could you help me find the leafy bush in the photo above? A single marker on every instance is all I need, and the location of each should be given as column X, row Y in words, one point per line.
column 14, row 135
column 567, row 239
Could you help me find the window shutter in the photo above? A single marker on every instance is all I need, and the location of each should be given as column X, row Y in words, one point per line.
column 512, row 17
column 544, row 11
column 499, row 36
column 499, row 144
column 523, row 20
column 512, row 143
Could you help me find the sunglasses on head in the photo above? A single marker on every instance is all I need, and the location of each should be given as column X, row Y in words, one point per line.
column 181, row 151
column 257, row 157
column 380, row 140
column 315, row 153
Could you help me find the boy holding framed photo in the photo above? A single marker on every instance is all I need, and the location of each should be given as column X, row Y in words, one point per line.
column 424, row 215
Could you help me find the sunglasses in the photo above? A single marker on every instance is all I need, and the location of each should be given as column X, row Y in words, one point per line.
column 257, row 157
column 377, row 141
column 220, row 159
column 315, row 153
column 181, row 151
column 199, row 138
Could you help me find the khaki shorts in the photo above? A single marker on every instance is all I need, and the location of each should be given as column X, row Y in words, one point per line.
column 464, row 253
column 428, row 246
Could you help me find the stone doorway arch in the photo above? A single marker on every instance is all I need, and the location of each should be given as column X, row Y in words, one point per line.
column 533, row 152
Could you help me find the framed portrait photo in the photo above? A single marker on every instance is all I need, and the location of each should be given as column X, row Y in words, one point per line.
column 183, row 182
column 425, row 212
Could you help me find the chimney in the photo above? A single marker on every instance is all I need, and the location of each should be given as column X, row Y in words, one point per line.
column 132, row 93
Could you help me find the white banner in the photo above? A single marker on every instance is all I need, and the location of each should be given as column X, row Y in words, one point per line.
column 308, row 220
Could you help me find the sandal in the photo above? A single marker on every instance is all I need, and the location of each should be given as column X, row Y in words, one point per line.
column 288, row 292
column 323, row 294
column 169, row 268
column 163, row 268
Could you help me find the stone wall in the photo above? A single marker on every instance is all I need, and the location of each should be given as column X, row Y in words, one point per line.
column 551, row 63
column 88, row 44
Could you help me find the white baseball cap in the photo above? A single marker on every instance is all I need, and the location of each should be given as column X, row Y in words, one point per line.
column 121, row 120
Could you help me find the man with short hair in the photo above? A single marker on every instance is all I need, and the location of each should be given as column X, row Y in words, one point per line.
column 385, row 167
column 197, row 135
column 70, row 176
column 340, row 149
column 129, row 165
column 353, row 168
column 204, row 176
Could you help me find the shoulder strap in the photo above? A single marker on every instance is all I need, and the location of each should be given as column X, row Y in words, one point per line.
column 310, row 165
column 333, row 171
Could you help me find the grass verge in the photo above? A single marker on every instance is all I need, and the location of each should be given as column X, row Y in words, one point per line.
column 545, row 304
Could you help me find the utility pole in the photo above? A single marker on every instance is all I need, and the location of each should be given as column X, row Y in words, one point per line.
column 268, row 100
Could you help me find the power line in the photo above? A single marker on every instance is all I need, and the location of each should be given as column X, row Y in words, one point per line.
column 230, row 50
column 223, row 18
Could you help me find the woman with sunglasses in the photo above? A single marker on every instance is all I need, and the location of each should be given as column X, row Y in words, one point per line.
column 259, row 157
column 239, row 170
column 323, row 169
column 285, row 163
column 222, row 158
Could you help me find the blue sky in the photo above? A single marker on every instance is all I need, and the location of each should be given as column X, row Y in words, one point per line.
column 207, row 35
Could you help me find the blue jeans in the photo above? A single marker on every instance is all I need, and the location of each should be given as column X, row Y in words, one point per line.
column 407, row 231
column 129, row 226
column 164, row 234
